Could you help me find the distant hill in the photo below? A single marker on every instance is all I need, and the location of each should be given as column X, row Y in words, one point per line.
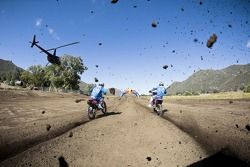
column 7, row 69
column 232, row 78
column 87, row 88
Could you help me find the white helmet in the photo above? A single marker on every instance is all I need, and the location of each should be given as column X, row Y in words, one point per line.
column 161, row 84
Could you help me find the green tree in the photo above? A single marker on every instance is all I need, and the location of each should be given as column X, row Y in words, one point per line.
column 4, row 78
column 26, row 78
column 33, row 76
column 37, row 72
column 73, row 67
column 53, row 76
column 67, row 75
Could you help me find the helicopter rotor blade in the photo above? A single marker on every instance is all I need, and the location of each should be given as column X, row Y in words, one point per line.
column 62, row 46
column 67, row 45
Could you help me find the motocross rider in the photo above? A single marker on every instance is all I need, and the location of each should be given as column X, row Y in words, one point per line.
column 97, row 94
column 157, row 93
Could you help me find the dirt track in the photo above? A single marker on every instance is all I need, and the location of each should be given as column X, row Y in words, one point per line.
column 130, row 135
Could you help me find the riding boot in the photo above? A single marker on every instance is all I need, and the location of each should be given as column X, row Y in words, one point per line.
column 100, row 106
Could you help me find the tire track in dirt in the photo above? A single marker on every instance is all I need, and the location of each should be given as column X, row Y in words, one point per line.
column 11, row 149
column 225, row 145
column 132, row 138
column 14, row 148
column 228, row 145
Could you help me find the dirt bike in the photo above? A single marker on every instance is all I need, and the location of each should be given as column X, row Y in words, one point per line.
column 157, row 105
column 93, row 107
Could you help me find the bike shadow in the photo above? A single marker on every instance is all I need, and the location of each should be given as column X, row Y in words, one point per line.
column 107, row 114
column 165, row 110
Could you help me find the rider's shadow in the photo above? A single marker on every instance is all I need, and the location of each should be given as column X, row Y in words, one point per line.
column 107, row 114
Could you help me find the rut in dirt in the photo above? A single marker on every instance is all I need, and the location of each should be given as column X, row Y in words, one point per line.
column 12, row 149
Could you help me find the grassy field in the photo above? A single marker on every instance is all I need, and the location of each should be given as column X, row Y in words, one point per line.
column 212, row 96
column 224, row 95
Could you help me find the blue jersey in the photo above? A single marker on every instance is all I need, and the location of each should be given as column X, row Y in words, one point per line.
column 98, row 92
column 160, row 91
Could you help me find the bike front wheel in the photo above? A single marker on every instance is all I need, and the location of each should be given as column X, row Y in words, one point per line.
column 104, row 106
column 159, row 109
column 91, row 113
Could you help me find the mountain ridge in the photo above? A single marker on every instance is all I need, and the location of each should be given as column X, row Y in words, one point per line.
column 231, row 78
column 8, row 69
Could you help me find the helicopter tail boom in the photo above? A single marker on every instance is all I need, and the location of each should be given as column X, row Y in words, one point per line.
column 34, row 42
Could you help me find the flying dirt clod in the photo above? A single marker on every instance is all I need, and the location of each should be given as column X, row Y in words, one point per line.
column 154, row 24
column 195, row 40
column 114, row 1
column 149, row 158
column 211, row 40
column 165, row 67
column 70, row 134
column 48, row 126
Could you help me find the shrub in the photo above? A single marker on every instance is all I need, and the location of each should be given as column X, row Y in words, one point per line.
column 178, row 93
column 186, row 93
column 247, row 89
column 242, row 87
column 203, row 91
column 216, row 91
column 195, row 93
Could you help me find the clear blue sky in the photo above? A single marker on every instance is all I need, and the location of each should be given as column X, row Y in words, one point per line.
column 132, row 52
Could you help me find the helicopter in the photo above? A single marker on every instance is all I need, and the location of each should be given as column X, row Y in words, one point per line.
column 52, row 58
